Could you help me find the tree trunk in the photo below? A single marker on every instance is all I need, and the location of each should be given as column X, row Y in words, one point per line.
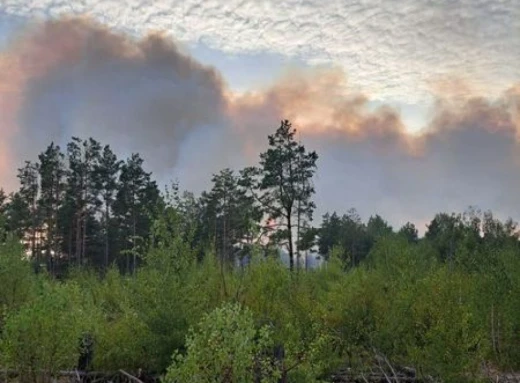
column 223, row 257
column 134, row 244
column 78, row 238
column 493, row 332
column 291, row 249
column 298, row 224
column 84, row 237
column 107, row 217
column 55, row 235
column 224, row 241
column 70, row 239
column 33, row 245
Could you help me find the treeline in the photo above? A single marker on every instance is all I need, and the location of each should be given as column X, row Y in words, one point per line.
column 84, row 206
column 445, row 306
column 455, row 237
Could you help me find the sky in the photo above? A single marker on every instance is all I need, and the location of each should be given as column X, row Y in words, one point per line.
column 413, row 105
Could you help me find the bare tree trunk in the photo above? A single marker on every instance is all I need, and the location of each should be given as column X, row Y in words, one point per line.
column 70, row 240
column 107, row 225
column 223, row 256
column 84, row 237
column 291, row 249
column 56, row 237
column 499, row 348
column 33, row 245
column 78, row 238
column 493, row 335
column 134, row 231
column 298, row 224
column 306, row 252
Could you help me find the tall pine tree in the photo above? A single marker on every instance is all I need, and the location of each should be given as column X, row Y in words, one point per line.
column 284, row 185
column 230, row 214
column 51, row 171
column 106, row 175
column 136, row 198
column 25, row 208
column 83, row 195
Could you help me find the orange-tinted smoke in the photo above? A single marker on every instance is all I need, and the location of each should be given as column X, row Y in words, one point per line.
column 10, row 87
column 44, row 49
column 317, row 101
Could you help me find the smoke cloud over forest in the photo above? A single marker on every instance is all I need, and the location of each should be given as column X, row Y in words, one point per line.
column 74, row 77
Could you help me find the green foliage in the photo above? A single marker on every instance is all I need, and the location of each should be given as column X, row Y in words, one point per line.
column 119, row 332
column 135, row 200
column 283, row 185
column 292, row 307
column 225, row 347
column 16, row 275
column 406, row 305
column 448, row 340
column 402, row 302
column 171, row 250
column 410, row 232
column 444, row 304
column 231, row 214
column 377, row 227
column 350, row 235
column 122, row 343
column 43, row 336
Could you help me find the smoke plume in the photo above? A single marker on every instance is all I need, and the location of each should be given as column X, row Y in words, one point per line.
column 75, row 77
column 467, row 154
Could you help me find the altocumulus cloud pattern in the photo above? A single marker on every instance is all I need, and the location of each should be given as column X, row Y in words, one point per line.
column 390, row 49
column 405, row 51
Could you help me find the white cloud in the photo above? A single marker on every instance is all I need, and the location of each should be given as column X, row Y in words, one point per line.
column 391, row 49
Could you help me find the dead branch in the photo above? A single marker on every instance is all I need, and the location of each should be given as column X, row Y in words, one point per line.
column 131, row 377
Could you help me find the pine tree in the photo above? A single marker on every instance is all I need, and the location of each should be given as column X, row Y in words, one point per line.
column 410, row 232
column 329, row 233
column 27, row 207
column 3, row 200
column 51, row 171
column 283, row 182
column 83, row 200
column 230, row 215
column 106, row 175
column 3, row 215
column 136, row 198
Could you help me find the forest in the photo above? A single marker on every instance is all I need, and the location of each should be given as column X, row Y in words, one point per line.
column 102, row 273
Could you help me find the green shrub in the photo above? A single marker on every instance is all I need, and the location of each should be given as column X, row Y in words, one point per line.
column 43, row 336
column 17, row 279
column 226, row 347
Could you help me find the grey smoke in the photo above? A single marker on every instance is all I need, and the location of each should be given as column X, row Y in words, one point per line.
column 80, row 78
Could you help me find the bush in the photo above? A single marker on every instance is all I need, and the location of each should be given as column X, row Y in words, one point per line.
column 120, row 334
column 43, row 336
column 226, row 347
column 16, row 277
